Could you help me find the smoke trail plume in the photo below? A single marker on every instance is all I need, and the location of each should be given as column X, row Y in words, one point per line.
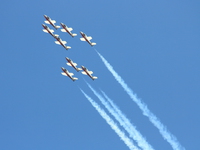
column 171, row 139
column 124, row 122
column 112, row 124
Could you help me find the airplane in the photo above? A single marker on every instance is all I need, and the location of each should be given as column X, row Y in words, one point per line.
column 71, row 63
column 68, row 30
column 50, row 31
column 86, row 38
column 51, row 22
column 87, row 72
column 67, row 73
column 61, row 42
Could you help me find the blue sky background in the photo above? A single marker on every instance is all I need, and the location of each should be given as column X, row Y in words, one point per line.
column 153, row 45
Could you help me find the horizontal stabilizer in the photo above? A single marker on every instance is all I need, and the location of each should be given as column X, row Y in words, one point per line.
column 93, row 44
column 47, row 22
column 82, row 39
column 64, row 74
column 89, row 37
column 67, row 47
column 57, row 27
column 45, row 30
column 68, row 64
column 83, row 72
column 74, row 34
column 94, row 77
column 56, row 35
column 63, row 30
column 74, row 79
column 78, row 69
column 57, row 42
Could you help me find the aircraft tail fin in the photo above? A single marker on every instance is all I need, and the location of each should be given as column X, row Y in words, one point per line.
column 93, row 44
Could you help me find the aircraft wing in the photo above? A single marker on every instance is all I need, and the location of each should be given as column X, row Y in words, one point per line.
column 83, row 72
column 69, row 29
column 53, row 21
column 82, row 39
column 57, row 42
column 47, row 22
column 63, row 30
column 68, row 64
column 90, row 72
column 71, row 74
column 45, row 30
column 89, row 38
column 64, row 74
column 51, row 30
column 64, row 42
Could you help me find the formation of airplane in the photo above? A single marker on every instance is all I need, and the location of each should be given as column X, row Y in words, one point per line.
column 68, row 30
column 51, row 22
column 72, row 64
column 87, row 72
column 86, row 38
column 62, row 43
column 67, row 73
column 50, row 31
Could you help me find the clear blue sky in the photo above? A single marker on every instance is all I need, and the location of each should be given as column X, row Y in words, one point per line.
column 152, row 45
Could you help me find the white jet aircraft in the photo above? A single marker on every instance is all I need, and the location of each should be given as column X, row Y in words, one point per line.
column 61, row 42
column 67, row 73
column 50, row 31
column 72, row 64
column 87, row 72
column 68, row 30
column 86, row 38
column 51, row 22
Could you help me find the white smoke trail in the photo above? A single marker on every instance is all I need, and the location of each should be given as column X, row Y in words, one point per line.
column 131, row 129
column 112, row 124
column 133, row 133
column 171, row 139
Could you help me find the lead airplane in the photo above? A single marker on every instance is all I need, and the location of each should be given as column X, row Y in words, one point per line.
column 61, row 42
column 67, row 73
column 86, row 38
column 87, row 72
column 51, row 22
column 72, row 64
column 50, row 31
column 68, row 30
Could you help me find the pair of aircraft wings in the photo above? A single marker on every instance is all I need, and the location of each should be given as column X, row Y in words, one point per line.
column 74, row 65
